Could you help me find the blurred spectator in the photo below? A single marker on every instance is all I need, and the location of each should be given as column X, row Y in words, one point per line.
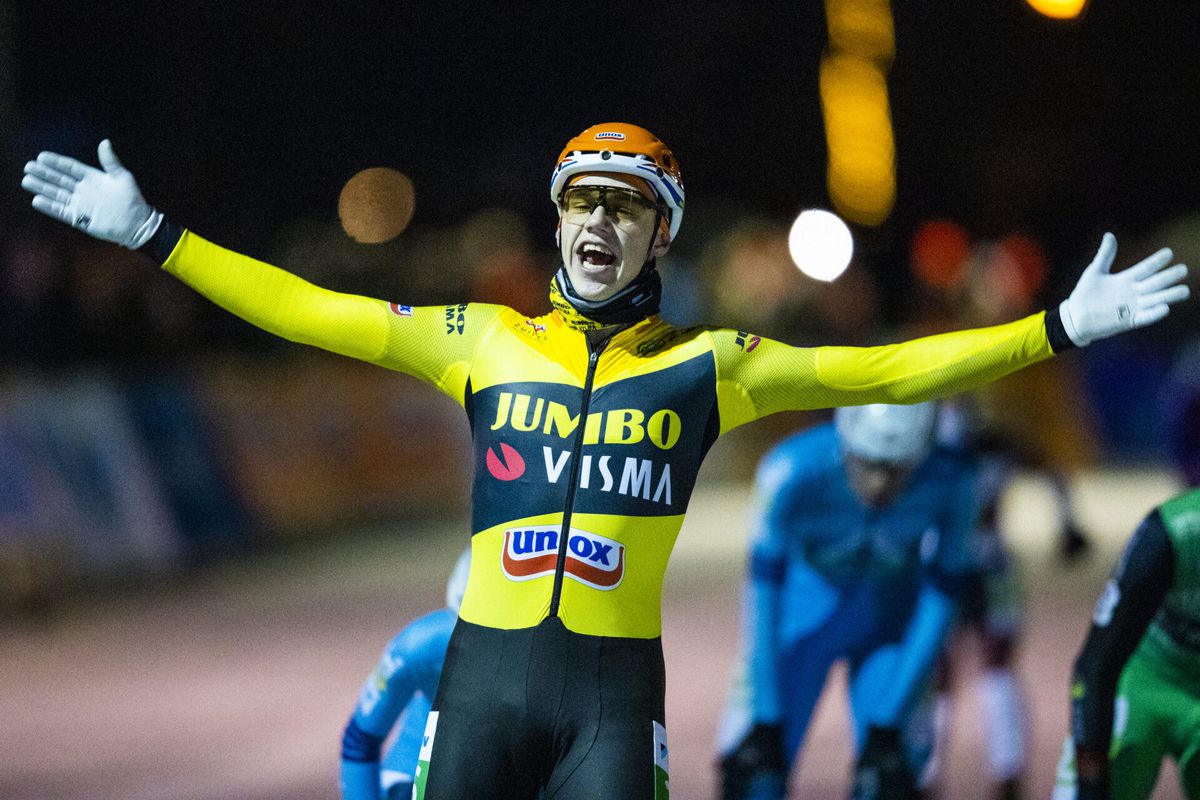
column 844, row 311
column 1001, row 280
column 752, row 279
column 1180, row 411
column 503, row 269
column 35, row 326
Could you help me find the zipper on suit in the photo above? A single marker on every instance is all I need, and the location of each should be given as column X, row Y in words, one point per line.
column 594, row 349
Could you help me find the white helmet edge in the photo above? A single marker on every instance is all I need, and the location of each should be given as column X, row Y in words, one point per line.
column 895, row 434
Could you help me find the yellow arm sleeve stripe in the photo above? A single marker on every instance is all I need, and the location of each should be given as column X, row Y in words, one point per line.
column 433, row 343
column 775, row 377
column 934, row 366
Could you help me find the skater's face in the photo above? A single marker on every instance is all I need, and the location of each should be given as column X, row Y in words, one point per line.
column 876, row 483
column 606, row 225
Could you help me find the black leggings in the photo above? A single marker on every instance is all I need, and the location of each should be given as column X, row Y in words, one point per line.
column 545, row 713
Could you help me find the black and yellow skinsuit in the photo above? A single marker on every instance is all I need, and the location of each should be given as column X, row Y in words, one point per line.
column 553, row 681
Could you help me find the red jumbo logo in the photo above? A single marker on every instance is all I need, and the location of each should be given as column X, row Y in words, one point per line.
column 592, row 560
column 508, row 466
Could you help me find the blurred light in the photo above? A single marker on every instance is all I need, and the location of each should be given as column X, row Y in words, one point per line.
column 1005, row 277
column 858, row 129
column 820, row 244
column 755, row 280
column 940, row 250
column 1058, row 9
column 1029, row 261
column 376, row 205
column 862, row 28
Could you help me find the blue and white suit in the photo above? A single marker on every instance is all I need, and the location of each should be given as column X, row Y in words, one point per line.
column 401, row 687
column 832, row 579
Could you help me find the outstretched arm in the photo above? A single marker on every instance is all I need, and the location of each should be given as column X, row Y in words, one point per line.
column 757, row 377
column 107, row 204
column 1130, row 599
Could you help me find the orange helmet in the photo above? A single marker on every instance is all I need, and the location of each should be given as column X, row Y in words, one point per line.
column 628, row 149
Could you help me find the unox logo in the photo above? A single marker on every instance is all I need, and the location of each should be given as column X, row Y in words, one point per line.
column 614, row 135
column 593, row 560
column 507, row 466
column 401, row 311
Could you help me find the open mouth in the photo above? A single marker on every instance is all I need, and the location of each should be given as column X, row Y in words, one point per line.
column 596, row 255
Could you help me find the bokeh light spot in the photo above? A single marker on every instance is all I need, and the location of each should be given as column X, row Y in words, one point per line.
column 1058, row 9
column 820, row 244
column 376, row 205
column 939, row 254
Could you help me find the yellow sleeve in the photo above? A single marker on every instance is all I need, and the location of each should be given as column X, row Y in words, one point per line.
column 433, row 343
column 757, row 377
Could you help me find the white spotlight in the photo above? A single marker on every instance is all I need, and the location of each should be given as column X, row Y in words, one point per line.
column 820, row 244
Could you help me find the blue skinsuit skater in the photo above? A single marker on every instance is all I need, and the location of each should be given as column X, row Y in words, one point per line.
column 401, row 687
column 861, row 536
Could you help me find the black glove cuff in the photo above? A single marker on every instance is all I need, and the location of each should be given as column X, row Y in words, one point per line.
column 163, row 242
column 883, row 736
column 1056, row 334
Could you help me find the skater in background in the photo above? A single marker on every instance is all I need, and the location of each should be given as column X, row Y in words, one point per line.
column 398, row 695
column 991, row 613
column 860, row 547
column 1135, row 689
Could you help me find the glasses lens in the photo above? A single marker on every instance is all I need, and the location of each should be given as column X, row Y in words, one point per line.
column 623, row 206
column 579, row 202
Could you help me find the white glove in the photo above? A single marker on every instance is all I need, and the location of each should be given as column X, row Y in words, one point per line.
column 1103, row 304
column 107, row 205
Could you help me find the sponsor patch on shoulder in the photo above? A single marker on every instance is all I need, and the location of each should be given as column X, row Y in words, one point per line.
column 401, row 311
column 747, row 342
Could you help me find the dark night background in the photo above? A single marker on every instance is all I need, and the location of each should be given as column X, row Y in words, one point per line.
column 237, row 117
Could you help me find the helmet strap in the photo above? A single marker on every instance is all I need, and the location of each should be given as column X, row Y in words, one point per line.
column 648, row 263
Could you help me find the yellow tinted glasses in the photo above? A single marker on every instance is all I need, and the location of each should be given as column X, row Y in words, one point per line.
column 625, row 207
